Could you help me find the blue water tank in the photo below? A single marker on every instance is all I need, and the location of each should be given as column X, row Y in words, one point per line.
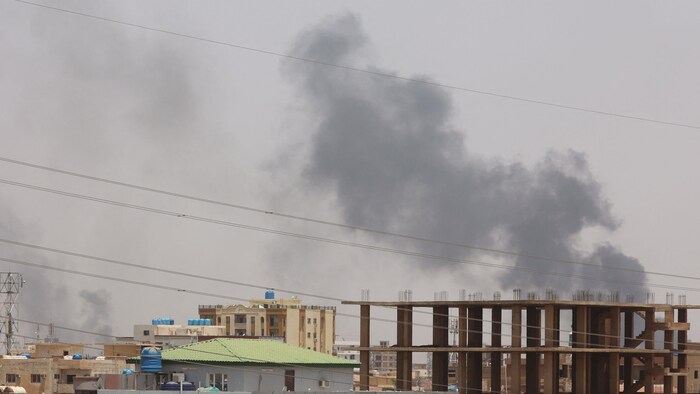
column 200, row 322
column 151, row 360
column 77, row 356
column 190, row 322
column 128, row 371
column 270, row 295
column 27, row 355
column 207, row 322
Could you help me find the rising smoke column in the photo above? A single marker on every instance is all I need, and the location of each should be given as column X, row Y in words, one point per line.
column 387, row 150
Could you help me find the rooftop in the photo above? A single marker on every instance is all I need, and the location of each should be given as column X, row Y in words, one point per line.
column 241, row 351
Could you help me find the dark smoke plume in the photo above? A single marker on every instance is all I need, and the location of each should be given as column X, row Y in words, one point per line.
column 388, row 151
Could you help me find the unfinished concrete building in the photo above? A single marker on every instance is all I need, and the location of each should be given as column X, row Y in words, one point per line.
column 606, row 339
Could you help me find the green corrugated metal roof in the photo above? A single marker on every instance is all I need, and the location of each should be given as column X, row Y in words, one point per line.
column 252, row 352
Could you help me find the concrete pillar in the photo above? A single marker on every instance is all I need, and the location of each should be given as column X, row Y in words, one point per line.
column 551, row 359
column 682, row 346
column 627, row 364
column 614, row 357
column 668, row 358
column 532, row 359
column 404, row 338
column 475, row 339
column 440, row 339
column 364, row 344
column 516, row 342
column 649, row 344
column 462, row 356
column 581, row 322
column 496, row 342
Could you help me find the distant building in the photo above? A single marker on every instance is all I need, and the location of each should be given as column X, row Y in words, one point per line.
column 383, row 361
column 175, row 335
column 308, row 326
column 347, row 350
column 163, row 333
column 52, row 368
column 256, row 365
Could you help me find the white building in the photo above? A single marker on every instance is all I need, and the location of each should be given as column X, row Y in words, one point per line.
column 258, row 365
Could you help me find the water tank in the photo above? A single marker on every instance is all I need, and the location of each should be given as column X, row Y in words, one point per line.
column 77, row 356
column 270, row 295
column 128, row 371
column 207, row 322
column 190, row 322
column 27, row 355
column 151, row 360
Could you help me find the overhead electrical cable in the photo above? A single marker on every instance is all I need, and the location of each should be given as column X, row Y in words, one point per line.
column 190, row 276
column 367, row 71
column 338, row 224
column 338, row 241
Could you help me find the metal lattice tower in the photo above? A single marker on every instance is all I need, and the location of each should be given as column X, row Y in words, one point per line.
column 10, row 285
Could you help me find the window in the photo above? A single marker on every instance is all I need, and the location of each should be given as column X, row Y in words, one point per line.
column 696, row 374
column 146, row 332
column 69, row 379
column 36, row 378
column 308, row 335
column 218, row 380
column 314, row 335
column 228, row 320
column 56, row 376
column 11, row 378
column 308, row 320
column 314, row 320
column 240, row 319
column 262, row 320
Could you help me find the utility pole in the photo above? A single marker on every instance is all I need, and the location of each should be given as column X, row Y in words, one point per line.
column 10, row 285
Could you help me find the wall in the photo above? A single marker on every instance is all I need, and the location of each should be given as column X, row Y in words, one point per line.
column 268, row 379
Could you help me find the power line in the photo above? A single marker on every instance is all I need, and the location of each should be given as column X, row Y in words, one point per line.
column 190, row 275
column 229, row 297
column 337, row 241
column 364, row 70
column 336, row 224
column 189, row 291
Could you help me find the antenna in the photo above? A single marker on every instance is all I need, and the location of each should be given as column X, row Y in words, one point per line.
column 10, row 285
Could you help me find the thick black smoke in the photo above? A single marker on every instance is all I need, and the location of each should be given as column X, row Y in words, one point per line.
column 388, row 151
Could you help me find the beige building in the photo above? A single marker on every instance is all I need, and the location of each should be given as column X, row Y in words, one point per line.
column 383, row 361
column 308, row 326
column 51, row 368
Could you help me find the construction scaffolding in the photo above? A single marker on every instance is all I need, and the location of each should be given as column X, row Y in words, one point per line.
column 605, row 341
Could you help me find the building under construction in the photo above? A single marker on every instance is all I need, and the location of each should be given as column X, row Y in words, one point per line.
column 606, row 340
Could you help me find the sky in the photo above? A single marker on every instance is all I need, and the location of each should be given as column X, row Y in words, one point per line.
column 225, row 118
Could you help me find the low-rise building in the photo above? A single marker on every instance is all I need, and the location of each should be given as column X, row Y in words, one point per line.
column 164, row 333
column 257, row 365
column 52, row 368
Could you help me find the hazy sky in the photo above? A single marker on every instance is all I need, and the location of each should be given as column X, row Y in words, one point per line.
column 249, row 128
